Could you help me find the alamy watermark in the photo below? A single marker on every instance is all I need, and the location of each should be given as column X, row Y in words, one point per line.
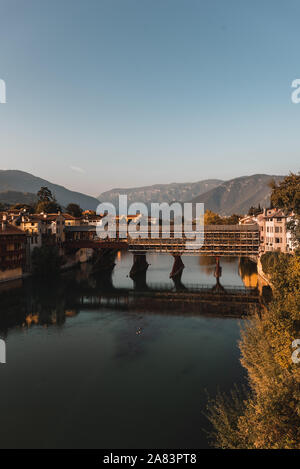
column 295, row 96
column 2, row 351
column 296, row 353
column 163, row 221
column 2, row 92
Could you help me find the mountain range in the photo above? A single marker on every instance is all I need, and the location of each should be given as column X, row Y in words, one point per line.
column 182, row 192
column 239, row 194
column 224, row 197
column 28, row 185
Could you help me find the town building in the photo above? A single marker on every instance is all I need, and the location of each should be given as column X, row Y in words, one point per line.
column 12, row 251
column 274, row 231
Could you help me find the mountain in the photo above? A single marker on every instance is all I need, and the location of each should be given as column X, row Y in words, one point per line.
column 22, row 182
column 181, row 192
column 15, row 197
column 239, row 194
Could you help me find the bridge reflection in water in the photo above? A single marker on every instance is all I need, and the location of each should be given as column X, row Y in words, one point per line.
column 89, row 289
column 201, row 299
column 176, row 297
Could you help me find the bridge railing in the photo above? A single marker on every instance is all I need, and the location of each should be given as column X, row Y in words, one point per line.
column 202, row 288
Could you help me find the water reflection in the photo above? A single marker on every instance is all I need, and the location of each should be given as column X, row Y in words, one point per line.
column 85, row 368
column 51, row 303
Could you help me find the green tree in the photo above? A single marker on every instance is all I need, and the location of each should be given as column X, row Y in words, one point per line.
column 45, row 194
column 286, row 195
column 48, row 207
column 46, row 202
column 74, row 209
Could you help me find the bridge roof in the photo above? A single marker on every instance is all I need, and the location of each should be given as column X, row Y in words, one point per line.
column 80, row 228
column 237, row 228
column 253, row 227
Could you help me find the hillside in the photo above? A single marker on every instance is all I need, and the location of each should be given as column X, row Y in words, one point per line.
column 22, row 182
column 181, row 192
column 237, row 195
column 15, row 197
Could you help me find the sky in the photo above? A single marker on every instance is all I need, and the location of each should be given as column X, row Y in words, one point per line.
column 125, row 93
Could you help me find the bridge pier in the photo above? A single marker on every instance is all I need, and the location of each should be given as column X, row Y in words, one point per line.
column 103, row 281
column 138, row 271
column 218, row 274
column 176, row 272
column 104, row 260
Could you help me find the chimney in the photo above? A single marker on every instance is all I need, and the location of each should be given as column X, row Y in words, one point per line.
column 4, row 222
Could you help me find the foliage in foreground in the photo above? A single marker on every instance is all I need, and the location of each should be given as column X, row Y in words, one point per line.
column 269, row 417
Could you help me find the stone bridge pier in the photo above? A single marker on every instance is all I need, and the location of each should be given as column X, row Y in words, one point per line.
column 138, row 271
column 176, row 272
column 218, row 274
column 104, row 260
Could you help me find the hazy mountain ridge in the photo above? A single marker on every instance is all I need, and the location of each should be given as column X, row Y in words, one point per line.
column 181, row 192
column 239, row 194
column 22, row 183
column 224, row 197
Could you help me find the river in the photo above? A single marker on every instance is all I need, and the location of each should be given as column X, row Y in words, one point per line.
column 107, row 377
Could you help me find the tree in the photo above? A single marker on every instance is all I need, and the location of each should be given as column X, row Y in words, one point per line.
column 286, row 194
column 46, row 261
column 211, row 218
column 74, row 209
column 3, row 207
column 28, row 208
column 232, row 220
column 46, row 202
column 48, row 207
column 253, row 211
column 45, row 195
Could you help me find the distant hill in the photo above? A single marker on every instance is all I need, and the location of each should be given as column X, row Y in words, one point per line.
column 181, row 192
column 22, row 183
column 239, row 194
column 14, row 197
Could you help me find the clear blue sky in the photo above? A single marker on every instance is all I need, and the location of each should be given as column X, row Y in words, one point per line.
column 120, row 93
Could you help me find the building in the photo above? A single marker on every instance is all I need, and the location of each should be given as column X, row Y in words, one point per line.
column 274, row 232
column 12, row 251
